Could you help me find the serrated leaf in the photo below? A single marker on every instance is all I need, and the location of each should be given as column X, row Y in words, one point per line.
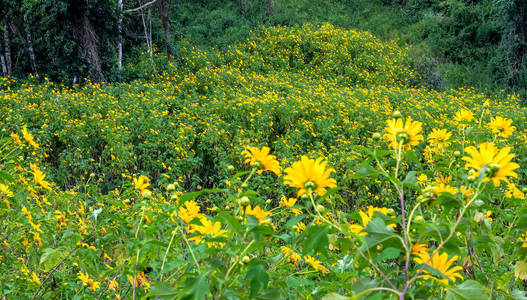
column 468, row 290
column 378, row 232
column 50, row 258
column 335, row 296
column 317, row 239
column 162, row 290
column 258, row 278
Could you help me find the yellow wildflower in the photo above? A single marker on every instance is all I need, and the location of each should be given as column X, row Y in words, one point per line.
column 310, row 175
column 261, row 159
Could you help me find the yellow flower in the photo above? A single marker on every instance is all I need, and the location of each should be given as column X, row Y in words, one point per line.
column 16, row 138
column 419, row 249
column 501, row 127
column 83, row 277
column 421, row 179
column 39, row 177
column 29, row 137
column 207, row 228
column 442, row 264
column 5, row 190
column 439, row 138
column 499, row 165
column 444, row 188
column 290, row 254
column 315, row 264
column 512, row 192
column 139, row 280
column 142, row 183
column 35, row 279
column 261, row 159
column 310, row 175
column 403, row 134
column 189, row 212
column 283, row 201
column 258, row 213
column 464, row 115
column 114, row 285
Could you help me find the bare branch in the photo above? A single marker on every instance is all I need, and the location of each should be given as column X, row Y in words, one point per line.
column 140, row 7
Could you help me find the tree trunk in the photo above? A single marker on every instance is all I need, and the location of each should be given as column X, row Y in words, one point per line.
column 7, row 50
column 31, row 53
column 268, row 8
column 165, row 7
column 87, row 38
column 120, row 33
column 4, row 67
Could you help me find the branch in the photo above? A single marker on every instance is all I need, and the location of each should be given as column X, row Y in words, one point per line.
column 140, row 7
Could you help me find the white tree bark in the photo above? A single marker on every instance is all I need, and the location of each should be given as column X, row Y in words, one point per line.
column 7, row 50
column 4, row 68
column 120, row 31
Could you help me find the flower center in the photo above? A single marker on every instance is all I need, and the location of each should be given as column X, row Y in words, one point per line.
column 402, row 137
column 310, row 185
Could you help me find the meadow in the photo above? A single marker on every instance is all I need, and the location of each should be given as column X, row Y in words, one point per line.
column 306, row 162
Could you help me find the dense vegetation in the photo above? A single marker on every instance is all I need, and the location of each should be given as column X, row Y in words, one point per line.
column 305, row 162
column 456, row 43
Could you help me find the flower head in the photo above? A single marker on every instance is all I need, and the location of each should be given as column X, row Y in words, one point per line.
column 258, row 213
column 405, row 134
column 442, row 264
column 29, row 138
column 501, row 127
column 464, row 116
column 498, row 162
column 439, row 138
column 262, row 159
column 310, row 175
column 39, row 176
column 315, row 264
column 142, row 183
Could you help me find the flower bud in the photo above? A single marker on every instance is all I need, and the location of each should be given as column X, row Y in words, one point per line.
column 402, row 137
column 471, row 178
column 397, row 114
column 246, row 259
column 376, row 136
column 268, row 201
column 92, row 175
column 478, row 202
column 244, row 201
column 147, row 194
column 457, row 153
column 524, row 190
column 230, row 168
column 244, row 185
column 171, row 187
column 320, row 208
column 419, row 219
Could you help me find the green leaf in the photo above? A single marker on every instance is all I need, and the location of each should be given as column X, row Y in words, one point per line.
column 317, row 239
column 193, row 195
column 50, row 258
column 335, row 296
column 411, row 179
column 231, row 222
column 162, row 290
column 378, row 232
column 5, row 177
column 365, row 171
column 388, row 253
column 518, row 295
column 197, row 287
column 258, row 277
column 469, row 289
